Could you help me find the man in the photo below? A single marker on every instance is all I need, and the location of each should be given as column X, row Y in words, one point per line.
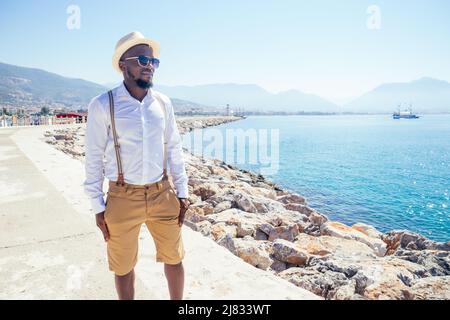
column 133, row 127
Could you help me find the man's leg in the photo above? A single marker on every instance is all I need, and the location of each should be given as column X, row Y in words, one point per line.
column 125, row 286
column 175, row 280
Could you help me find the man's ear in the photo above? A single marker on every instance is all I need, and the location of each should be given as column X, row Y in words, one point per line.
column 122, row 66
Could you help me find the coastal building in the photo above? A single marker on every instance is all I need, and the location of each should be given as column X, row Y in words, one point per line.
column 70, row 117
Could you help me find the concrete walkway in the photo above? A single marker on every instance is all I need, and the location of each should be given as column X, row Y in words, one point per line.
column 50, row 247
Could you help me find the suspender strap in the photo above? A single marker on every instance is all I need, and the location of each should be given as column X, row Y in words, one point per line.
column 120, row 179
column 163, row 107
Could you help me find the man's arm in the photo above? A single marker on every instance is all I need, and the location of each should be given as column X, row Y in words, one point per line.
column 175, row 155
column 95, row 144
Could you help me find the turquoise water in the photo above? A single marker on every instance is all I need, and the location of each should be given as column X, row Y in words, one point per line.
column 393, row 174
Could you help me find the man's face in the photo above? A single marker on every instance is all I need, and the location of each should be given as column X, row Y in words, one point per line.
column 142, row 76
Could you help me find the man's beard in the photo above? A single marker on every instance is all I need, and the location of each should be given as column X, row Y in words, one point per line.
column 143, row 84
column 139, row 82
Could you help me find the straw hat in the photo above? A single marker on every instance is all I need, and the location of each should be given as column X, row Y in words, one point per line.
column 130, row 40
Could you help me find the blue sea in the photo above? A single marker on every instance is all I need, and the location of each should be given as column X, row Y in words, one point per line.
column 392, row 174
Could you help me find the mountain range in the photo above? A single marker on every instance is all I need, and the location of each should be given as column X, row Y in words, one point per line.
column 22, row 86
column 25, row 86
column 425, row 95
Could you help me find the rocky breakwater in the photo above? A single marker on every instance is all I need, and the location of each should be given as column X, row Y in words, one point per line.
column 275, row 230
column 187, row 124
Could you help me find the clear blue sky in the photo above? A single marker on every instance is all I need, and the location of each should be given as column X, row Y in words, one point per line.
column 321, row 47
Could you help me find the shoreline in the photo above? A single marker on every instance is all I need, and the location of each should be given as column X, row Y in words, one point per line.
column 275, row 230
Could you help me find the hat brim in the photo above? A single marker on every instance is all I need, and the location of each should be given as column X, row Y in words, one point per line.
column 131, row 43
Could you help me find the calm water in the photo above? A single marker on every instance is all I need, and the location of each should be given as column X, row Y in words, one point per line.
column 393, row 174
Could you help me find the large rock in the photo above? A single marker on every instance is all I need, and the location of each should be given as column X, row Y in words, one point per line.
column 278, row 266
column 244, row 202
column 217, row 170
column 219, row 230
column 288, row 233
column 346, row 249
column 259, row 235
column 431, row 288
column 228, row 242
column 303, row 209
column 336, row 264
column 197, row 181
column 235, row 216
column 437, row 263
column 346, row 292
column 340, row 230
column 206, row 190
column 317, row 219
column 256, row 191
column 193, row 198
column 265, row 192
column 311, row 245
column 368, row 230
column 204, row 227
column 245, row 223
column 412, row 241
column 253, row 252
column 244, row 229
column 324, row 284
column 206, row 208
column 222, row 206
column 286, row 251
column 287, row 217
column 387, row 278
column 266, row 228
column 291, row 198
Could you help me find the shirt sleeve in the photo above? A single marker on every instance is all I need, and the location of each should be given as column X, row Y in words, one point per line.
column 95, row 144
column 175, row 158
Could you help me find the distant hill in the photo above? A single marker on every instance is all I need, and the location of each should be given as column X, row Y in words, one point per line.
column 426, row 95
column 24, row 86
column 250, row 97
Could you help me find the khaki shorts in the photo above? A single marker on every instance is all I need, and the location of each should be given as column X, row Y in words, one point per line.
column 127, row 208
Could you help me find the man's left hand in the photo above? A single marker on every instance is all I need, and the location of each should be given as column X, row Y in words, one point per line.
column 184, row 205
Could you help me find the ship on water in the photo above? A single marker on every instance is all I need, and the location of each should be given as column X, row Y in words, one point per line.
column 405, row 114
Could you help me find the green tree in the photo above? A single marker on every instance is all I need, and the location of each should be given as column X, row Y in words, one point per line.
column 45, row 111
column 5, row 112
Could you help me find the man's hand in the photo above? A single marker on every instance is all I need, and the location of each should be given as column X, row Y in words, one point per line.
column 100, row 220
column 184, row 205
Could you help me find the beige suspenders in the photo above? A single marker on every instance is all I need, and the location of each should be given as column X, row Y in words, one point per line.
column 121, row 179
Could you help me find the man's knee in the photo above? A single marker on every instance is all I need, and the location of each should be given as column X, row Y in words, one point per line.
column 125, row 274
column 179, row 264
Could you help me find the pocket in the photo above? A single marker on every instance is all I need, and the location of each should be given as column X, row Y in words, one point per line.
column 174, row 197
column 105, row 215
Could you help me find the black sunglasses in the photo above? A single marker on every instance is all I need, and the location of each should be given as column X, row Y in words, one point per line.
column 145, row 61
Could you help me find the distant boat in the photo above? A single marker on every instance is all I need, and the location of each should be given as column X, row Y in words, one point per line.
column 405, row 114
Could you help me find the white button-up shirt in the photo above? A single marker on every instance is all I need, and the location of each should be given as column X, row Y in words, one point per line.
column 140, row 131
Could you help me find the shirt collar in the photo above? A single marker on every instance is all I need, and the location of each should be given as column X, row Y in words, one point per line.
column 122, row 93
